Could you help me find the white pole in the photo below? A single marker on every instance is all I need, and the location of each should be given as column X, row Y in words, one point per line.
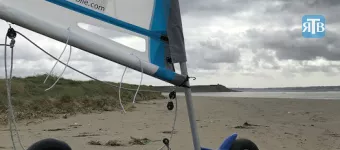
column 190, row 108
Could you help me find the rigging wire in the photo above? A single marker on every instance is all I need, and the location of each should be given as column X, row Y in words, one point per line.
column 66, row 65
column 174, row 122
column 47, row 53
column 68, row 37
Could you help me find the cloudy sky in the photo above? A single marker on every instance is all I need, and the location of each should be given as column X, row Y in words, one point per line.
column 237, row 43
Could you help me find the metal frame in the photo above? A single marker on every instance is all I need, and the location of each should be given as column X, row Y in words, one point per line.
column 190, row 108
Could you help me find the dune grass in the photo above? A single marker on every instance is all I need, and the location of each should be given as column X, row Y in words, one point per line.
column 30, row 100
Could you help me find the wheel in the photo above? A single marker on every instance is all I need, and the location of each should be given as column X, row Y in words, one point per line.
column 243, row 144
column 50, row 144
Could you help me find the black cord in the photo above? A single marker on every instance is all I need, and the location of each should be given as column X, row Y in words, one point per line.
column 55, row 57
column 75, row 68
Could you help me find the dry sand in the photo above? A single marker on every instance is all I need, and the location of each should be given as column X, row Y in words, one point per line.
column 282, row 124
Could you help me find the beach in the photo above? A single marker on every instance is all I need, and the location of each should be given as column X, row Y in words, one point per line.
column 273, row 124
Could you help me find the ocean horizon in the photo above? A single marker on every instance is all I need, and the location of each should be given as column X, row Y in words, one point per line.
column 331, row 95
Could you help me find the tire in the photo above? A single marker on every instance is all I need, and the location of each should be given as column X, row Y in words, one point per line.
column 243, row 144
column 50, row 144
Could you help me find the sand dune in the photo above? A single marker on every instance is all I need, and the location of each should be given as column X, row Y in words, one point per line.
column 275, row 124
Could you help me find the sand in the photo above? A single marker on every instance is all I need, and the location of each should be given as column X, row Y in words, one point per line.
column 280, row 124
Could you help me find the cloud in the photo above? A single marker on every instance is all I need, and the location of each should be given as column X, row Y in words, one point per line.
column 229, row 56
column 289, row 44
column 216, row 51
column 216, row 7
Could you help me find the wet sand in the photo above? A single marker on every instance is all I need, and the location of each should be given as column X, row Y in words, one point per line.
column 275, row 124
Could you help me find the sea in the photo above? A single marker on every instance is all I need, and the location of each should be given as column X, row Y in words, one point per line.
column 333, row 95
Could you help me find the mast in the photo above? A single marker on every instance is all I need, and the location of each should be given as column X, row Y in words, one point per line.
column 178, row 55
column 190, row 108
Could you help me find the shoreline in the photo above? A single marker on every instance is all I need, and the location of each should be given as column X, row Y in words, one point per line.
column 275, row 124
column 271, row 95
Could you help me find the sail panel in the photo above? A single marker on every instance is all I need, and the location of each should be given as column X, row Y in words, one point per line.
column 68, row 18
column 158, row 49
column 146, row 18
column 175, row 33
column 167, row 20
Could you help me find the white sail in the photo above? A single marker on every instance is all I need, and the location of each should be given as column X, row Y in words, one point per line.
column 156, row 21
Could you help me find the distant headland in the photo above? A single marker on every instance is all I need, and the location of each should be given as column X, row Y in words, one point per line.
column 222, row 88
column 196, row 88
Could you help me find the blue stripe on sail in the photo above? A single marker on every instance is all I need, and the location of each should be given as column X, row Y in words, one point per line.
column 158, row 28
column 165, row 74
column 105, row 18
column 159, row 24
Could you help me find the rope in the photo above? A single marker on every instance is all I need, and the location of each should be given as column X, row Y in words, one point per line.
column 10, row 109
column 121, row 81
column 68, row 37
column 141, row 79
column 120, row 86
column 11, row 117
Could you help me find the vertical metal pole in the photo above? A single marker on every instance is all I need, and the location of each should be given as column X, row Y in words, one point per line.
column 190, row 108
